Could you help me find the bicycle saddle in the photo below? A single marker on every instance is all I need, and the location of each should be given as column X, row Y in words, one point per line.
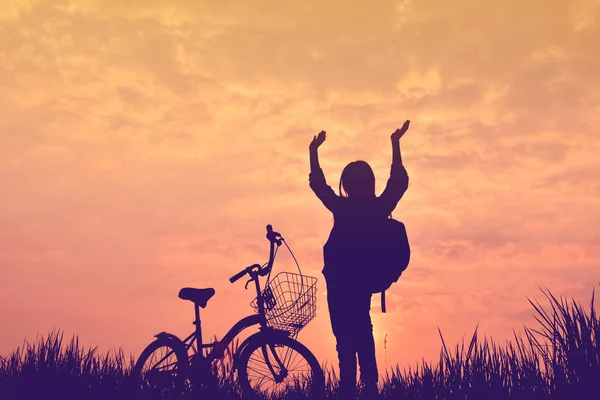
column 199, row 296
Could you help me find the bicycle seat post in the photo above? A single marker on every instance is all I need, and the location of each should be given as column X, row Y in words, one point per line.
column 198, row 330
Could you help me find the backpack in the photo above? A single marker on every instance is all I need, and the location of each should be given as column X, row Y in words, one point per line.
column 389, row 256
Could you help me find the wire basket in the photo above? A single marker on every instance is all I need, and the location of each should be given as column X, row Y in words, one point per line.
column 290, row 301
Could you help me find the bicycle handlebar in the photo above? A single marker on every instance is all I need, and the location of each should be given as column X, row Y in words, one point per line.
column 274, row 237
column 238, row 275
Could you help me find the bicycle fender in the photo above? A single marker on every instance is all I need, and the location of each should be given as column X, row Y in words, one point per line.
column 168, row 336
column 258, row 336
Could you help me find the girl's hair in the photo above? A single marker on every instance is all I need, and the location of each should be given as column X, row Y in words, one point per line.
column 357, row 180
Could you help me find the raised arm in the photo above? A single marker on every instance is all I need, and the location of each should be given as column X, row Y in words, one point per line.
column 316, row 177
column 398, row 133
column 313, row 148
column 398, row 181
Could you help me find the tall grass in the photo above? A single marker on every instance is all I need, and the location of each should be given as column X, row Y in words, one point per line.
column 51, row 368
column 559, row 359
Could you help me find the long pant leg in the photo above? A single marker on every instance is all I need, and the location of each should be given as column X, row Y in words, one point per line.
column 351, row 323
column 365, row 341
column 340, row 313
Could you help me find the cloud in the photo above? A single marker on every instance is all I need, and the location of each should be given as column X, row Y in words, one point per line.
column 145, row 146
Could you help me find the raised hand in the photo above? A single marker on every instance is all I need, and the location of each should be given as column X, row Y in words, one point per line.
column 317, row 141
column 398, row 133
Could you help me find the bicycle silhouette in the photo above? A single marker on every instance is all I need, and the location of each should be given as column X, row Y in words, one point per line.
column 268, row 362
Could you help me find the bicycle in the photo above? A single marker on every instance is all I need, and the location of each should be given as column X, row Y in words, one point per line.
column 263, row 361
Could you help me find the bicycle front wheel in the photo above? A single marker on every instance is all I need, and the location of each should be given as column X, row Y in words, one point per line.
column 276, row 366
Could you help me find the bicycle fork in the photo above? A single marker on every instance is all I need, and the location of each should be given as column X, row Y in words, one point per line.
column 284, row 372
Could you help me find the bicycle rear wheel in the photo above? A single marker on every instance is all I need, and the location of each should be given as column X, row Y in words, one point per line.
column 161, row 368
column 274, row 366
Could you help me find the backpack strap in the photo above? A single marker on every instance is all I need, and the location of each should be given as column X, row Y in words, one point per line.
column 383, row 301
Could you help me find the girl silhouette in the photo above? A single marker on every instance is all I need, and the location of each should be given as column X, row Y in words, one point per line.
column 356, row 212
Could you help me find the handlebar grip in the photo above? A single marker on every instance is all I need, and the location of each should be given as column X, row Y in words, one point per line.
column 238, row 276
column 274, row 237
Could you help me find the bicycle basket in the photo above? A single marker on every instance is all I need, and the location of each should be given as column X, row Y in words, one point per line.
column 290, row 301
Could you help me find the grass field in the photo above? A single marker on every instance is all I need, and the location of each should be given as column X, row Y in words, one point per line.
column 558, row 359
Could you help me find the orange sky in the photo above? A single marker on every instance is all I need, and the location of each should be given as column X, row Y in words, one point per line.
column 143, row 148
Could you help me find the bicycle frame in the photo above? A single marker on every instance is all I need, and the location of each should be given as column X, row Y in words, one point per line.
column 218, row 348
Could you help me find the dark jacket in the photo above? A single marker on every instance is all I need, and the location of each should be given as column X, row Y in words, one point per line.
column 354, row 222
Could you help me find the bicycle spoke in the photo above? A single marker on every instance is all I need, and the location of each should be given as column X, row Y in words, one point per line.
column 284, row 361
column 289, row 358
column 160, row 370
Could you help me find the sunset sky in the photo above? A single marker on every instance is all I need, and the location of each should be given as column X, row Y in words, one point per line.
column 144, row 147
